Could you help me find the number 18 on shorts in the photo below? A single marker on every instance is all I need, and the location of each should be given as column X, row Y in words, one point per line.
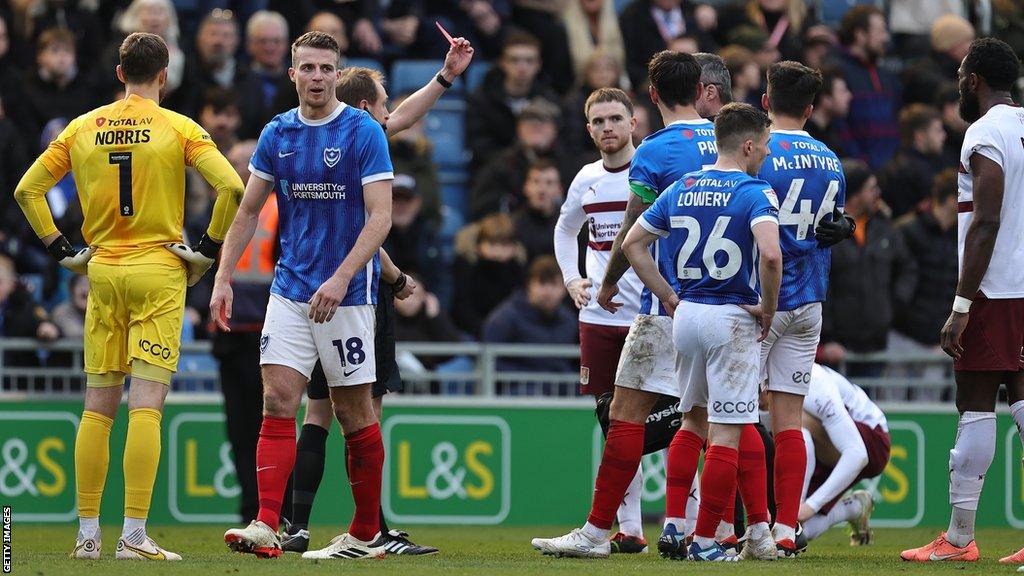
column 344, row 345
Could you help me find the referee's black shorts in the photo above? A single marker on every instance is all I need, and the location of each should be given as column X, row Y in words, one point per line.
column 388, row 378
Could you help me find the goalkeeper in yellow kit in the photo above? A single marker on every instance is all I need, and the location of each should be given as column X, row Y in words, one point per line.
column 128, row 160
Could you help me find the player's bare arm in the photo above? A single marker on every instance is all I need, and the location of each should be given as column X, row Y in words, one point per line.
column 980, row 241
column 637, row 248
column 619, row 264
column 766, row 234
column 239, row 234
column 416, row 106
column 377, row 196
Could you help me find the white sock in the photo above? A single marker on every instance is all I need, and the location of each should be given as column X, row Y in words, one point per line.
column 679, row 523
column 88, row 527
column 757, row 530
column 630, row 521
column 969, row 460
column 703, row 542
column 783, row 532
column 1017, row 411
column 724, row 530
column 692, row 507
column 134, row 531
column 848, row 508
column 809, row 471
column 594, row 533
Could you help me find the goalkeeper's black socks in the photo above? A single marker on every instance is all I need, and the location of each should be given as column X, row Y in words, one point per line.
column 309, row 470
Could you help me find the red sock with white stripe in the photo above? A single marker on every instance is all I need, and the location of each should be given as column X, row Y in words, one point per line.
column 365, row 468
column 622, row 452
column 790, row 464
column 275, row 458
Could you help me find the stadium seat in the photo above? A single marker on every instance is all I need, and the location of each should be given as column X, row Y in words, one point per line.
column 455, row 193
column 446, row 127
column 370, row 63
column 832, row 11
column 474, row 75
column 408, row 76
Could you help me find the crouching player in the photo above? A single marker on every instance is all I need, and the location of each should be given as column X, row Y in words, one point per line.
column 847, row 441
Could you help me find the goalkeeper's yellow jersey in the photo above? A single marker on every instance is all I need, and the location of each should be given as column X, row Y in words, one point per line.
column 128, row 160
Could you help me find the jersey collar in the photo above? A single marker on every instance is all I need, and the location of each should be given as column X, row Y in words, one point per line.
column 324, row 120
column 792, row 132
column 680, row 122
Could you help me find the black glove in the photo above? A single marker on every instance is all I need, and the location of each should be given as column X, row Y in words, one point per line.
column 75, row 260
column 832, row 231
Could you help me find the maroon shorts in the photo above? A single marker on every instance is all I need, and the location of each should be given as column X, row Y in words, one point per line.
column 600, row 347
column 877, row 442
column 994, row 336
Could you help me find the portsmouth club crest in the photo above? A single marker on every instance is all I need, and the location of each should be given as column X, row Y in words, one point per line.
column 331, row 156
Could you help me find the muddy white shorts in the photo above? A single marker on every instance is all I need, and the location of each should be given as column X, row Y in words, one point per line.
column 787, row 354
column 648, row 360
column 718, row 361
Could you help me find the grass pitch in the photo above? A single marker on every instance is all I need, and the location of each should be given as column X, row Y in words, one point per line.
column 43, row 551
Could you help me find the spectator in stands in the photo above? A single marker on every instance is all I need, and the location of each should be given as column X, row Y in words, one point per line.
column 931, row 239
column 543, row 19
column 643, row 124
column 412, row 153
column 266, row 42
column 783, row 21
column 330, row 23
column 952, row 123
column 912, row 20
column 420, row 318
column 873, row 134
column 536, row 315
column 12, row 78
column 906, row 180
column 56, row 89
column 831, row 107
column 924, row 79
column 603, row 71
column 415, row 242
column 758, row 42
column 21, row 317
column 745, row 73
column 69, row 316
column 819, row 41
column 15, row 231
column 872, row 276
column 684, row 44
column 87, row 32
column 535, row 220
column 498, row 186
column 506, row 90
column 214, row 63
column 649, row 25
column 155, row 17
column 592, row 27
column 219, row 115
column 488, row 267
column 479, row 21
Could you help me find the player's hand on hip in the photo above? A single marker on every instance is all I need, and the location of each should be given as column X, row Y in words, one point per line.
column 604, row 297
column 670, row 304
column 952, row 333
column 220, row 304
column 579, row 291
column 764, row 319
column 326, row 300
column 75, row 260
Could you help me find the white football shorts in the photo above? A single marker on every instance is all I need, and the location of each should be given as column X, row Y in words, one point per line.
column 787, row 354
column 648, row 360
column 344, row 345
column 718, row 361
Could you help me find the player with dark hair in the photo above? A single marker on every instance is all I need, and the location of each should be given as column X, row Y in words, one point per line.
column 646, row 369
column 985, row 330
column 719, row 238
column 128, row 159
column 363, row 89
column 330, row 166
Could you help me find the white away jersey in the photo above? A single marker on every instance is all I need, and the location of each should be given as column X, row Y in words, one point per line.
column 832, row 396
column 998, row 136
column 597, row 197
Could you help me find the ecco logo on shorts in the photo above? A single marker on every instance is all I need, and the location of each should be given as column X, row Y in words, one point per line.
column 735, row 407
column 155, row 349
column 801, row 377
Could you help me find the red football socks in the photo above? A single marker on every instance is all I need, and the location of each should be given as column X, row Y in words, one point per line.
column 275, row 457
column 365, row 467
column 683, row 455
column 790, row 465
column 717, row 484
column 753, row 475
column 622, row 452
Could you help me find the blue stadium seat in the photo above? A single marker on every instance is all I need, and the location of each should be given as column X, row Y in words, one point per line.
column 832, row 11
column 455, row 193
column 370, row 63
column 446, row 128
column 408, row 76
column 474, row 75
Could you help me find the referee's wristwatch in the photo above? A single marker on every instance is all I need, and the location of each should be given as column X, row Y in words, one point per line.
column 399, row 285
column 440, row 80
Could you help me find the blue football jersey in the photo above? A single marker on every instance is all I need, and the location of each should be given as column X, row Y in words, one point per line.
column 808, row 180
column 705, row 221
column 662, row 159
column 319, row 168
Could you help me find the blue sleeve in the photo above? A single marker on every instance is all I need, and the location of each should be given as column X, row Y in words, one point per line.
column 374, row 157
column 643, row 180
column 261, row 164
column 656, row 218
column 764, row 203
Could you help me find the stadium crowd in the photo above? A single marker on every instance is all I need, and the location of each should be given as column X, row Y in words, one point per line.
column 474, row 223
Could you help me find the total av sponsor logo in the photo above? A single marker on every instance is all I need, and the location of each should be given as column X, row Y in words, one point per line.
column 37, row 464
column 202, row 484
column 447, row 469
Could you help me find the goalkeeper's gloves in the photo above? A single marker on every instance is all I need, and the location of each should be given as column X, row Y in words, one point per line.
column 198, row 259
column 834, row 230
column 75, row 260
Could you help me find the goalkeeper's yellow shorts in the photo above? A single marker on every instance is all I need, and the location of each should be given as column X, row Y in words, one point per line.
column 134, row 312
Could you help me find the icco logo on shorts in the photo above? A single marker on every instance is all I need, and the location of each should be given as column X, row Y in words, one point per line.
column 155, row 349
column 735, row 407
